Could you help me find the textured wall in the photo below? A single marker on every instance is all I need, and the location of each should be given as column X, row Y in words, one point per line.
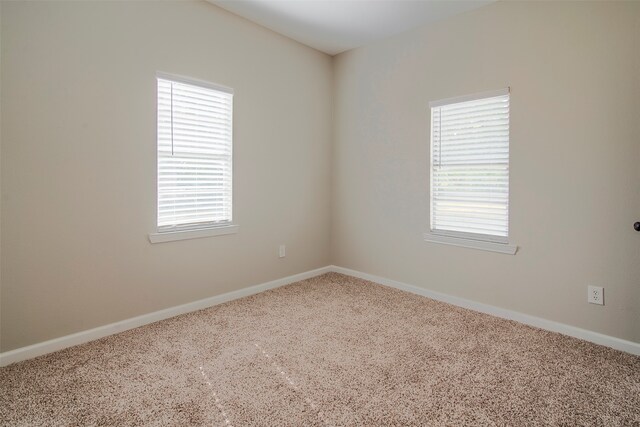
column 78, row 160
column 573, row 69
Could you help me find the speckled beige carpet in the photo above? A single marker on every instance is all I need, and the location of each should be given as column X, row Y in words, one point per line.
column 328, row 351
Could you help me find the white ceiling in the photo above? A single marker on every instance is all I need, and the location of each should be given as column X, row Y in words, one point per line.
column 333, row 26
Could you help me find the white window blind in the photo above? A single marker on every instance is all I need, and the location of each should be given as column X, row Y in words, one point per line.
column 194, row 154
column 470, row 167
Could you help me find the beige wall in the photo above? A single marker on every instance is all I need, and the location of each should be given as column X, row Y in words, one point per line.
column 0, row 171
column 574, row 69
column 78, row 160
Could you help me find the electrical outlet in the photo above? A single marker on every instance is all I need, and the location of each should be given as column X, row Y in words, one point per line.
column 595, row 295
column 282, row 251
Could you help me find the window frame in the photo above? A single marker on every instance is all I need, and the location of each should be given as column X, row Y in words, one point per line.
column 197, row 229
column 487, row 242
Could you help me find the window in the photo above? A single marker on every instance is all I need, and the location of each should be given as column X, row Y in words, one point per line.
column 194, row 155
column 470, row 171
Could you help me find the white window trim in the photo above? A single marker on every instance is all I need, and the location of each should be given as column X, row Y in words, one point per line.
column 468, row 240
column 502, row 248
column 172, row 236
column 472, row 97
column 192, row 81
column 195, row 232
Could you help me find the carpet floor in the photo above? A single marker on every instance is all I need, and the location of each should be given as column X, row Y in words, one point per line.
column 328, row 351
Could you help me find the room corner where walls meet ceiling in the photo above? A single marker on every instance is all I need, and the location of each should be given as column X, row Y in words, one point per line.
column 336, row 26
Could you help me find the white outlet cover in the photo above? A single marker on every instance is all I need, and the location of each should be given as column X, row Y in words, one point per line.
column 595, row 295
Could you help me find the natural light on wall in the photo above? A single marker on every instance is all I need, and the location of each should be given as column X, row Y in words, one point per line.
column 194, row 155
column 470, row 167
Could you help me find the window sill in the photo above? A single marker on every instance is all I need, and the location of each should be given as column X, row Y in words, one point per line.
column 502, row 248
column 171, row 236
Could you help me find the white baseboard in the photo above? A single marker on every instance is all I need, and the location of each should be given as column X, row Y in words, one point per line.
column 56, row 344
column 549, row 325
